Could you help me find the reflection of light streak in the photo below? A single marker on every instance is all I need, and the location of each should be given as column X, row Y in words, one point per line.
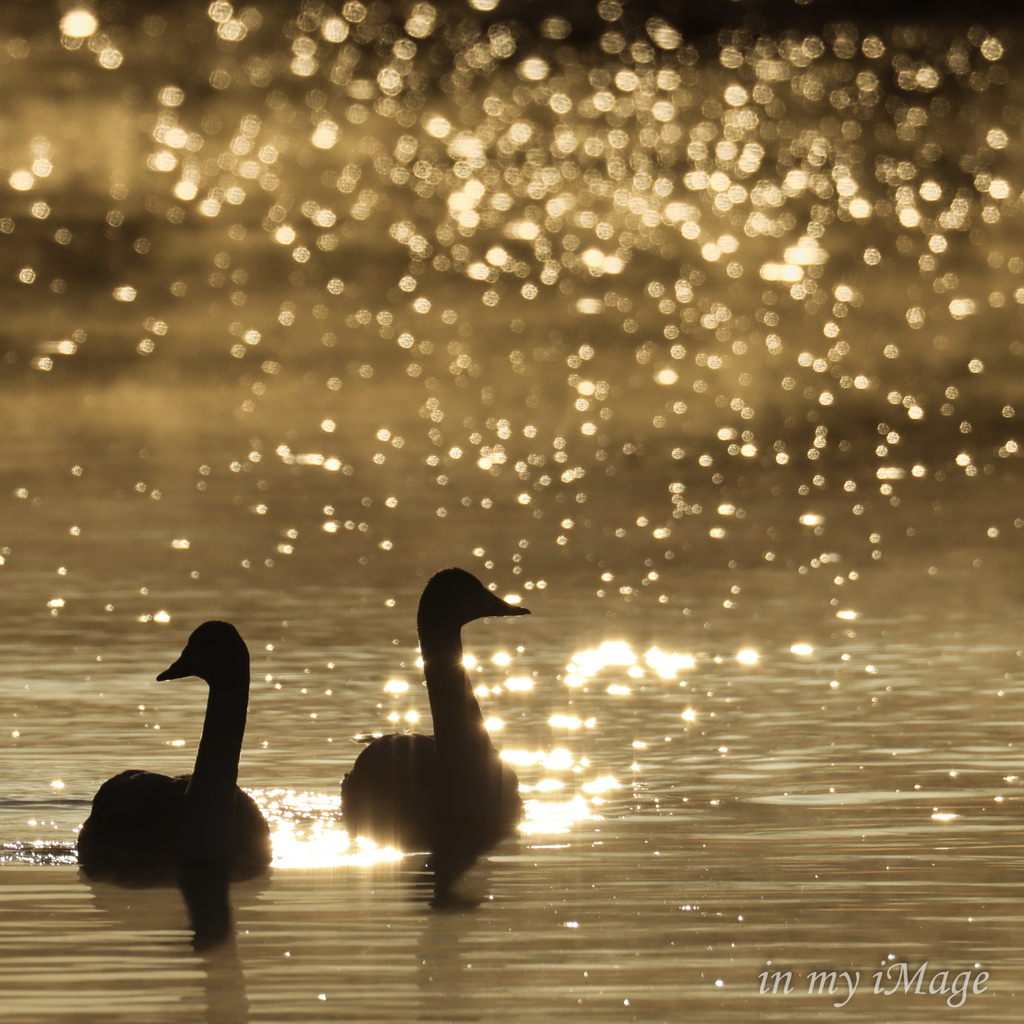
column 544, row 786
column 79, row 24
column 305, row 832
column 601, row 785
column 558, row 759
column 323, row 845
column 611, row 652
column 555, row 818
column 522, row 758
column 564, row 722
column 668, row 665
column 781, row 272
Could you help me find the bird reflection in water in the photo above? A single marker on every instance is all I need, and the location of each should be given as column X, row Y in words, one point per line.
column 141, row 912
column 227, row 1001
column 449, row 794
column 204, row 885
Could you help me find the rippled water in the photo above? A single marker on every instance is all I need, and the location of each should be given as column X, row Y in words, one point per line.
column 818, row 810
column 703, row 345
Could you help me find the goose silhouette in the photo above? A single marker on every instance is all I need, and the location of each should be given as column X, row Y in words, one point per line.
column 146, row 827
column 430, row 793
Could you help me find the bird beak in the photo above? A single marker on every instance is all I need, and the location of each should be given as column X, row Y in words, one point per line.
column 179, row 670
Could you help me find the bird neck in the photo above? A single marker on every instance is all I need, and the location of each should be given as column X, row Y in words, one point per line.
column 208, row 812
column 223, row 729
column 458, row 722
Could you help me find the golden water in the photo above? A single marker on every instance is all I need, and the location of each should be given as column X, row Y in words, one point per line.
column 692, row 822
column 704, row 346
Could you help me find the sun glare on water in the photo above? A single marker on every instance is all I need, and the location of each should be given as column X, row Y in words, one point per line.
column 306, row 832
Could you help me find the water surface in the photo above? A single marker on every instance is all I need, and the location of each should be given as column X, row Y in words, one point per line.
column 705, row 346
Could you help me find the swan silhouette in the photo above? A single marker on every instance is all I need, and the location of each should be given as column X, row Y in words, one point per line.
column 430, row 793
column 146, row 827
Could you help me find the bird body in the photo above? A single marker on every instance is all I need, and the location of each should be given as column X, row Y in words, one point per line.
column 420, row 792
column 144, row 826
